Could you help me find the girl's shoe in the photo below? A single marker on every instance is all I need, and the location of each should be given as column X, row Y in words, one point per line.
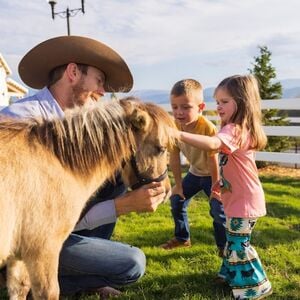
column 264, row 295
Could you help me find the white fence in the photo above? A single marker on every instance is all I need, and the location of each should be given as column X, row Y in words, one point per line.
column 291, row 131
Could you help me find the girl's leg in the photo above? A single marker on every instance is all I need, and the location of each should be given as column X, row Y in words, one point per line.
column 245, row 273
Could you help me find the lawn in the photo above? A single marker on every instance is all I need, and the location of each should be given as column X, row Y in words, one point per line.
column 189, row 273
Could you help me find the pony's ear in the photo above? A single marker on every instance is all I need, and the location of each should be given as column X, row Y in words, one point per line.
column 140, row 120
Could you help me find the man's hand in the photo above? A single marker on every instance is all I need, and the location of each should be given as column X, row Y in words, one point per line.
column 144, row 199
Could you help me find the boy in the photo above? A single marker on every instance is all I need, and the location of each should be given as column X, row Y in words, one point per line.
column 187, row 105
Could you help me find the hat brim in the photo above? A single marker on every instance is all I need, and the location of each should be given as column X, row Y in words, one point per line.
column 36, row 65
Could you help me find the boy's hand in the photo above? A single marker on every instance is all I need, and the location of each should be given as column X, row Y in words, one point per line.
column 177, row 190
column 216, row 191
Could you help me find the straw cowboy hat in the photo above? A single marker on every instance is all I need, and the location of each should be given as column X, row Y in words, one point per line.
column 36, row 65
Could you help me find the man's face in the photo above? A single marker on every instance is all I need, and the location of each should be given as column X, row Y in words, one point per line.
column 90, row 86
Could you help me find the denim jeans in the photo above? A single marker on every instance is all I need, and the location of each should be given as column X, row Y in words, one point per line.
column 89, row 260
column 191, row 185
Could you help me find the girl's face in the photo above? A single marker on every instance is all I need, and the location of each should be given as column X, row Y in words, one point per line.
column 226, row 105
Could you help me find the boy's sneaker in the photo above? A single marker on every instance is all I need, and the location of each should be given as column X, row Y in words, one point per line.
column 174, row 243
column 221, row 252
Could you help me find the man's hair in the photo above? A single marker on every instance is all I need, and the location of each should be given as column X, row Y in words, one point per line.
column 186, row 87
column 57, row 73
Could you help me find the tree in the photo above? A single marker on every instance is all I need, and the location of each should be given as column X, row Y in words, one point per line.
column 266, row 74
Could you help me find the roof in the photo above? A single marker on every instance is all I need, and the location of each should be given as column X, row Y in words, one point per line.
column 5, row 65
column 15, row 87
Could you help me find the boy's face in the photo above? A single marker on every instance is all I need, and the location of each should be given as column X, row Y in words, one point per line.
column 186, row 108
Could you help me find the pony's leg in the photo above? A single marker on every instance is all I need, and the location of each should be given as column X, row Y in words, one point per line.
column 18, row 283
column 43, row 269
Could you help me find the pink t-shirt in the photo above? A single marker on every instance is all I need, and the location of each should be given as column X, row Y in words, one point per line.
column 242, row 193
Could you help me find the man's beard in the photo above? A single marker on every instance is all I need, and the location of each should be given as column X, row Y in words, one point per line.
column 82, row 96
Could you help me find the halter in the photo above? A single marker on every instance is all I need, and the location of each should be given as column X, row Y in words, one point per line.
column 142, row 180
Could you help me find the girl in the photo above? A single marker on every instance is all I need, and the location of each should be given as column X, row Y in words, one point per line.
column 238, row 105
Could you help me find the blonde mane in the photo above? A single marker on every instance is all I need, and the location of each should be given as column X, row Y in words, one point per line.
column 82, row 138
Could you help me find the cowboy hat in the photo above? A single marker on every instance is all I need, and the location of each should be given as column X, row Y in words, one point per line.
column 36, row 65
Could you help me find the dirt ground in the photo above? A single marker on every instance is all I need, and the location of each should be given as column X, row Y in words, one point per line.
column 281, row 171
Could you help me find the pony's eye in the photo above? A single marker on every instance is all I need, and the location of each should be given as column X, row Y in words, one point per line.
column 160, row 149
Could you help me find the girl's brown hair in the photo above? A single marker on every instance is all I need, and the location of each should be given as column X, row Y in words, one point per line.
column 245, row 92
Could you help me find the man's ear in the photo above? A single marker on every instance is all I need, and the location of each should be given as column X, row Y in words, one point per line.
column 140, row 120
column 72, row 72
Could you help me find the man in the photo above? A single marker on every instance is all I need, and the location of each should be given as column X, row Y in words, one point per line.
column 70, row 71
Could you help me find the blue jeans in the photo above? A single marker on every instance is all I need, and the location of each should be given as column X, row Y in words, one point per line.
column 89, row 260
column 191, row 185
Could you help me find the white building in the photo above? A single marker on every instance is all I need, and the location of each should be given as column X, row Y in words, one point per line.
column 8, row 87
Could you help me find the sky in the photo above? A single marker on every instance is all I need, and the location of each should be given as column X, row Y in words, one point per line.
column 164, row 41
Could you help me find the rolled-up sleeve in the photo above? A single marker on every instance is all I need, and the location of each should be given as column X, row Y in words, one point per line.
column 100, row 214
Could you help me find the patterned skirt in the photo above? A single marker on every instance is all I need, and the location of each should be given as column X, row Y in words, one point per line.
column 241, row 267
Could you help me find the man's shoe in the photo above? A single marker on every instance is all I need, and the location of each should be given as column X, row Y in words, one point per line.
column 108, row 292
column 174, row 243
column 103, row 293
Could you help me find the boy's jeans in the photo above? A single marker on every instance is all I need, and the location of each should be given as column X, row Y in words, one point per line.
column 191, row 185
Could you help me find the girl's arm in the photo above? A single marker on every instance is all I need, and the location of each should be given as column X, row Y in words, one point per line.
column 203, row 142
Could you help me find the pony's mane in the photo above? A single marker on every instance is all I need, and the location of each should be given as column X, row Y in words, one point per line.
column 87, row 134
column 83, row 137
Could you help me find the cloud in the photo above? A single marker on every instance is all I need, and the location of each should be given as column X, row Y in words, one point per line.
column 220, row 36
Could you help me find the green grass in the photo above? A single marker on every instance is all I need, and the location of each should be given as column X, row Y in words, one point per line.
column 188, row 274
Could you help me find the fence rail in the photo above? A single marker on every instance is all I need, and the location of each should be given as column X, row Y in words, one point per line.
column 290, row 131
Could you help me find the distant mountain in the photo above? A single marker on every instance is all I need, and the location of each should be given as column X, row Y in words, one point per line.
column 290, row 83
column 157, row 96
column 291, row 93
column 162, row 96
column 291, row 89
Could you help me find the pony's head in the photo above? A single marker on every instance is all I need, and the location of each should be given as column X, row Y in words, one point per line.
column 151, row 127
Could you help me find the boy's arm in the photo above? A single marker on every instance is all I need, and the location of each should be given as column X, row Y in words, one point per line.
column 175, row 167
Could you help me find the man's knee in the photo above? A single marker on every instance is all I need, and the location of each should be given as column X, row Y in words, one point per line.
column 136, row 264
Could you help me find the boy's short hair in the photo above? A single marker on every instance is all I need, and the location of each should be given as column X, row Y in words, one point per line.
column 186, row 87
